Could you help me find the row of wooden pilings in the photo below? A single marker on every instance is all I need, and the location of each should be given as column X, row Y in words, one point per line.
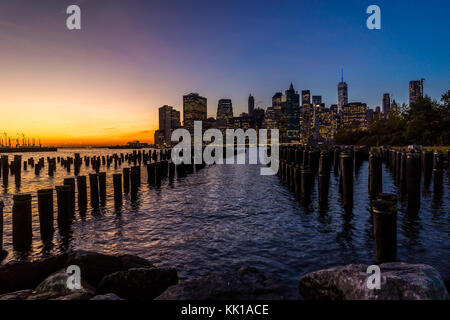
column 136, row 158
column 299, row 166
column 73, row 191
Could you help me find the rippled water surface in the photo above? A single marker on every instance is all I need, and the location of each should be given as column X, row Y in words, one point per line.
column 226, row 216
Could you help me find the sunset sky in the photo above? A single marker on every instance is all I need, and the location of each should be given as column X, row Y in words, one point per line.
column 103, row 84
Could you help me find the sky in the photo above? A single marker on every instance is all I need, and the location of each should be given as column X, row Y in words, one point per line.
column 103, row 84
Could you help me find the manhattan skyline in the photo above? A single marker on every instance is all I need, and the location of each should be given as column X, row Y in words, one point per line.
column 105, row 83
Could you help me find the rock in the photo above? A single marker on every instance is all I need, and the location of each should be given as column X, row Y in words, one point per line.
column 138, row 283
column 94, row 266
column 44, row 295
column 57, row 283
column 19, row 275
column 74, row 296
column 399, row 281
column 245, row 284
column 17, row 295
column 108, row 296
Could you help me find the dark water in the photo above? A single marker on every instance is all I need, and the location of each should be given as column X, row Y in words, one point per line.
column 226, row 216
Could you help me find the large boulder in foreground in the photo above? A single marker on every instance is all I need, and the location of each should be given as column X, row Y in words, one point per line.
column 57, row 283
column 245, row 284
column 399, row 281
column 94, row 266
column 138, row 283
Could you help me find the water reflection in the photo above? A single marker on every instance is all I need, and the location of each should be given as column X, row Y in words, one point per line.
column 222, row 217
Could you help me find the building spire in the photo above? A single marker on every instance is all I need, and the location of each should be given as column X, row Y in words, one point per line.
column 342, row 75
column 291, row 87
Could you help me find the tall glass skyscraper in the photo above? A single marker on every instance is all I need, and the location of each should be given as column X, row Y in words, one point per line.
column 224, row 114
column 342, row 94
column 415, row 90
column 251, row 105
column 194, row 109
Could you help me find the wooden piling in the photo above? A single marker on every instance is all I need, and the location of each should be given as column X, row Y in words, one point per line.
column 82, row 194
column 71, row 183
column 413, row 181
column 384, row 215
column 126, row 180
column 63, row 195
column 93, row 186
column 346, row 160
column 306, row 177
column 45, row 208
column 117, row 181
column 102, row 187
column 375, row 172
column 2, row 252
column 22, row 222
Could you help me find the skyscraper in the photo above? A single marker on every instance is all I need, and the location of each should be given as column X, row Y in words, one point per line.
column 394, row 106
column 169, row 120
column 386, row 104
column 354, row 116
column 278, row 110
column 251, row 105
column 306, row 97
column 316, row 100
column 194, row 109
column 342, row 93
column 224, row 114
column 291, row 102
column 415, row 90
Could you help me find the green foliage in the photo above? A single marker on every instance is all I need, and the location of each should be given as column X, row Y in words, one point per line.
column 425, row 122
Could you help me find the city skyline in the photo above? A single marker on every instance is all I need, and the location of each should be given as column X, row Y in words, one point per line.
column 105, row 83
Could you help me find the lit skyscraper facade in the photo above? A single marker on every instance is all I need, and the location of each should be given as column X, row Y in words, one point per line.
column 169, row 120
column 194, row 109
column 224, row 114
column 415, row 90
column 386, row 104
column 251, row 105
column 342, row 94
column 354, row 116
column 316, row 100
column 291, row 102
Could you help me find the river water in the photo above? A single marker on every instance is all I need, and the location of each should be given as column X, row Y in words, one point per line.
column 226, row 216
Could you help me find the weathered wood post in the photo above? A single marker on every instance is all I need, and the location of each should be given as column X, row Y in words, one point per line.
column 71, row 183
column 403, row 172
column 5, row 169
column 427, row 164
column 22, row 223
column 306, row 177
column 297, row 181
column 117, row 181
column 151, row 173
column 346, row 159
column 45, row 208
column 102, row 187
column 384, row 214
column 336, row 161
column 126, row 180
column 171, row 170
column 93, row 186
column 2, row 252
column 375, row 172
column 63, row 194
column 413, row 181
column 82, row 194
column 134, row 175
column 438, row 172
column 158, row 169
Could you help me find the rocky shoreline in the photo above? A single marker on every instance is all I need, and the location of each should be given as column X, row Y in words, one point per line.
column 128, row 277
